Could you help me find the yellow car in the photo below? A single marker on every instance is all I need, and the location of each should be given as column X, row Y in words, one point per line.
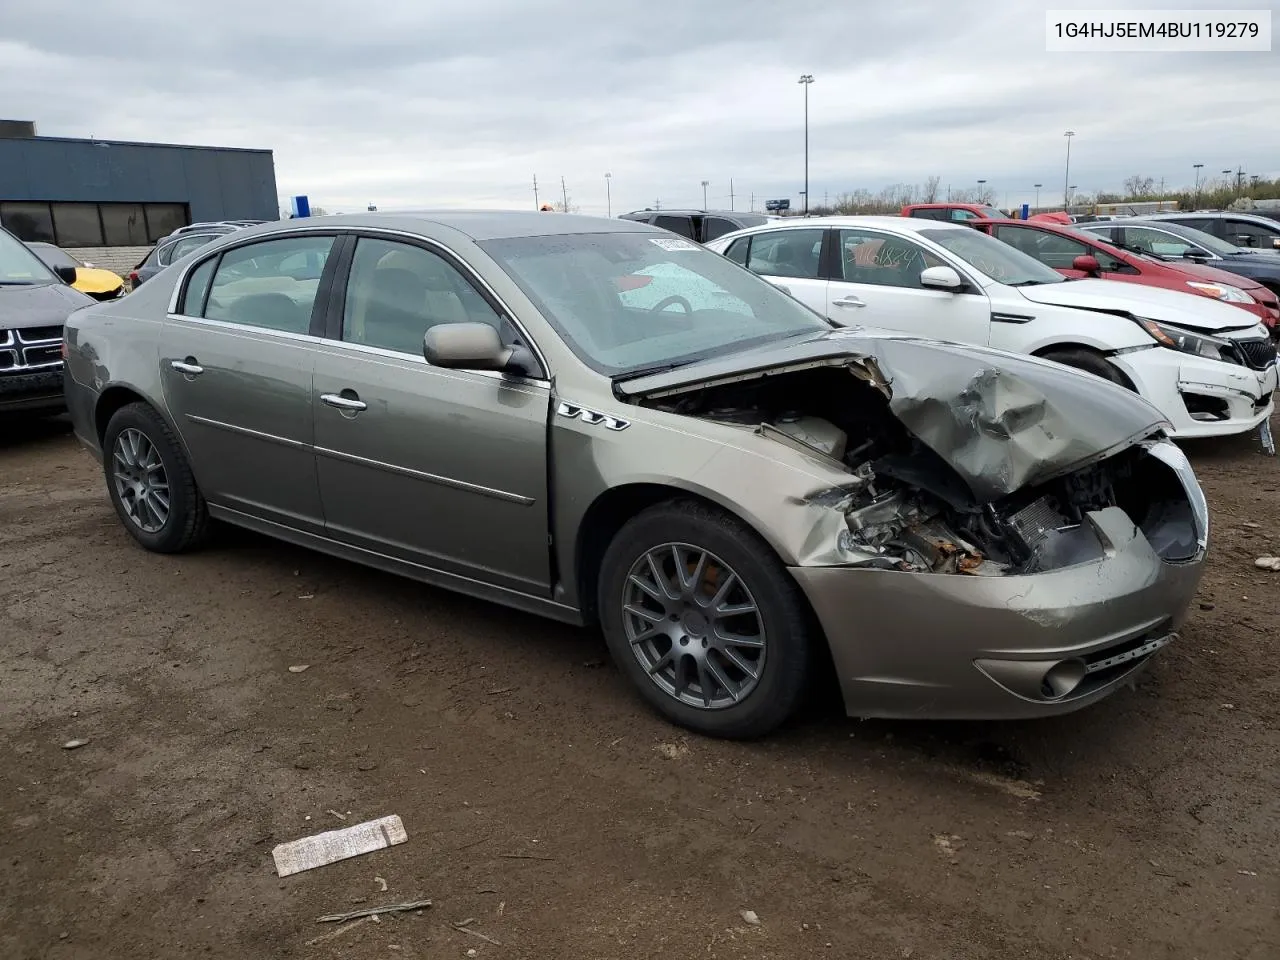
column 96, row 282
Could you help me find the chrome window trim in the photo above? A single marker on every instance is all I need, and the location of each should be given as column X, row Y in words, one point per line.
column 357, row 232
column 245, row 328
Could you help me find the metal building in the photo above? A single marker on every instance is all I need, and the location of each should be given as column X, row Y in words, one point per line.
column 110, row 200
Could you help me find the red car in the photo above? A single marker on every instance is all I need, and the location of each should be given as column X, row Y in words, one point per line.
column 954, row 212
column 1074, row 253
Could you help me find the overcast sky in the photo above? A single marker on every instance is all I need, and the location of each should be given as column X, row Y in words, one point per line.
column 421, row 103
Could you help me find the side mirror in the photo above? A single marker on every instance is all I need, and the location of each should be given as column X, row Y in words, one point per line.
column 1086, row 263
column 940, row 278
column 66, row 274
column 1193, row 253
column 474, row 346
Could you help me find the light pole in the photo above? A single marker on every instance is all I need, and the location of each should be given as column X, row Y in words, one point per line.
column 1038, row 186
column 1066, row 177
column 608, row 195
column 704, row 193
column 981, row 191
column 805, row 80
column 1072, row 189
column 1197, row 167
column 1227, row 174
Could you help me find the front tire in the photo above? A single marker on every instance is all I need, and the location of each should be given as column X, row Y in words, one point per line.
column 704, row 619
column 150, row 481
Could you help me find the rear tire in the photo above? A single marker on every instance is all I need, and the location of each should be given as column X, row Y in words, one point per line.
column 150, row 481
column 705, row 620
column 1089, row 362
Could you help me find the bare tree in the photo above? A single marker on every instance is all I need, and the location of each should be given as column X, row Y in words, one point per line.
column 1137, row 186
column 930, row 194
column 566, row 205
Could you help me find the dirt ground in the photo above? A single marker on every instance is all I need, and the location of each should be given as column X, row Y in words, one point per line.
column 544, row 804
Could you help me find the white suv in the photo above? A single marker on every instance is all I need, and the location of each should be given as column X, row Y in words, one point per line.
column 1203, row 364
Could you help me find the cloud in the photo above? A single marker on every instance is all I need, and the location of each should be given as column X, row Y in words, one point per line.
column 410, row 104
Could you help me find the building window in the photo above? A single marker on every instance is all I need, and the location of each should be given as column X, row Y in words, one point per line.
column 31, row 222
column 93, row 224
column 77, row 224
column 124, row 224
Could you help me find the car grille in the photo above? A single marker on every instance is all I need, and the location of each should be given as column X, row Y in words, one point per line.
column 31, row 348
column 1258, row 354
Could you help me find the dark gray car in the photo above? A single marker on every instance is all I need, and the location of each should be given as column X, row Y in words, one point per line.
column 35, row 301
column 700, row 225
column 603, row 423
column 1238, row 229
column 179, row 243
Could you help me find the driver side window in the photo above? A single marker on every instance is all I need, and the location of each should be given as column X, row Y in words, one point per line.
column 398, row 291
column 883, row 260
column 1157, row 242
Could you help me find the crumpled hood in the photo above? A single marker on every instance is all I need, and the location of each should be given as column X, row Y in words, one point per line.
column 1153, row 303
column 1003, row 421
column 47, row 305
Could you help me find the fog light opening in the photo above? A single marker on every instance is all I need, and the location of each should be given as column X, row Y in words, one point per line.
column 1062, row 678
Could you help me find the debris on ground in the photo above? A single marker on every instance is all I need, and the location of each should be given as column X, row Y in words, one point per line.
column 672, row 751
column 74, row 744
column 381, row 883
column 375, row 911
column 750, row 917
column 465, row 927
column 334, row 845
column 299, row 667
column 1268, row 563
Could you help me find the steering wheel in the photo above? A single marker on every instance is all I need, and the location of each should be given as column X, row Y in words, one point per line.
column 668, row 301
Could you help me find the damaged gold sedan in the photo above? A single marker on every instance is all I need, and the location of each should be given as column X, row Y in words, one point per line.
column 601, row 422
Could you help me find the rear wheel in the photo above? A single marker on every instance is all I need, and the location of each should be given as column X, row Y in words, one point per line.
column 1089, row 362
column 150, row 481
column 702, row 616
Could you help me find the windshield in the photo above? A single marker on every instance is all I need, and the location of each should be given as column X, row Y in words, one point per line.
column 997, row 260
column 52, row 256
column 626, row 302
column 19, row 266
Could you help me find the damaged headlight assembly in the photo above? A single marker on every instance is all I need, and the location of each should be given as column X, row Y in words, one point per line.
column 1187, row 341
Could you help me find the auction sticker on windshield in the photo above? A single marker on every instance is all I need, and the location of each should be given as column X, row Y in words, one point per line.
column 673, row 243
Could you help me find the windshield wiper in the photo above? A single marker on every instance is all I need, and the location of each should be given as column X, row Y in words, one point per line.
column 646, row 371
column 17, row 283
column 1029, row 283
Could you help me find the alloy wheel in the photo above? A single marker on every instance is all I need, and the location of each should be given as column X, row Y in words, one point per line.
column 694, row 626
column 141, row 482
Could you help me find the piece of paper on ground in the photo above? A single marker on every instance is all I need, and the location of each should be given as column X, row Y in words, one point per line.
column 334, row 845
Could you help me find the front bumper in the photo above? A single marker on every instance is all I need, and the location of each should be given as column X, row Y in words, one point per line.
column 1199, row 396
column 952, row 646
column 37, row 392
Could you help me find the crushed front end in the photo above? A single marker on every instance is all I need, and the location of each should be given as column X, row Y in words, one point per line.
column 1008, row 539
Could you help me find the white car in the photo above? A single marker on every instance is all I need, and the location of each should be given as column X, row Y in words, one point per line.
column 1203, row 364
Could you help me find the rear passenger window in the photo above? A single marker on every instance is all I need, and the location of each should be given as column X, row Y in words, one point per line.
column 398, row 291
column 271, row 284
column 680, row 225
column 787, row 253
column 192, row 304
column 737, row 251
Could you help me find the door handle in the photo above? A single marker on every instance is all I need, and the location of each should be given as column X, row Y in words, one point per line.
column 343, row 403
column 848, row 302
column 188, row 366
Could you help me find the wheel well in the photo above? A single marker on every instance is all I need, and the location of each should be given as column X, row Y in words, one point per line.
column 601, row 523
column 112, row 399
column 1043, row 352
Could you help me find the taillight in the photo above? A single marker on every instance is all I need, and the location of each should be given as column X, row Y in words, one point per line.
column 133, row 275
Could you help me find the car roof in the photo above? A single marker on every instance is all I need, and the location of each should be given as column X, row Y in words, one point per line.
column 1209, row 215
column 477, row 224
column 688, row 211
column 901, row 224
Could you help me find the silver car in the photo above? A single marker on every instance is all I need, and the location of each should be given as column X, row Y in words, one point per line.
column 601, row 422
